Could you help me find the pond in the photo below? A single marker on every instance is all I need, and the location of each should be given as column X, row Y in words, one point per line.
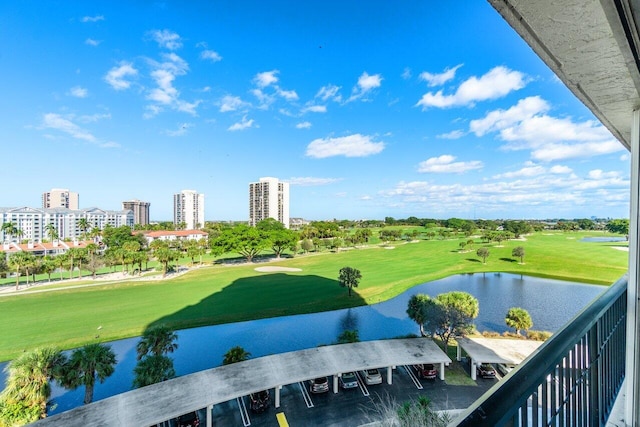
column 604, row 239
column 551, row 303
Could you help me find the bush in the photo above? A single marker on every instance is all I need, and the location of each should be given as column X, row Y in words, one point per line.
column 539, row 335
column 490, row 334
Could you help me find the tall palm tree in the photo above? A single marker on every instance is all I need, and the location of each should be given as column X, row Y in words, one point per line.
column 9, row 229
column 17, row 261
column 49, row 265
column 51, row 231
column 83, row 224
column 61, row 262
column 86, row 365
column 28, row 385
column 157, row 341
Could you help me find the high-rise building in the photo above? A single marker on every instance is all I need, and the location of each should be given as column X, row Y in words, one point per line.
column 269, row 198
column 140, row 211
column 188, row 208
column 60, row 198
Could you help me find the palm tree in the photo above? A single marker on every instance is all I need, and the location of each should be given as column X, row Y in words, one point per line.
column 86, row 364
column 28, row 384
column 17, row 261
column 61, row 261
column 83, row 224
column 71, row 255
column 234, row 355
column 9, row 229
column 51, row 231
column 49, row 265
column 153, row 369
column 157, row 341
column 165, row 256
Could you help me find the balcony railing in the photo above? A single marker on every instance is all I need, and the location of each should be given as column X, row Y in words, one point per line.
column 571, row 380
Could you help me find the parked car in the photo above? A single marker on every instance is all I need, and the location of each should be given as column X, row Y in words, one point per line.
column 349, row 380
column 427, row 371
column 372, row 376
column 259, row 402
column 505, row 368
column 485, row 370
column 189, row 420
column 319, row 385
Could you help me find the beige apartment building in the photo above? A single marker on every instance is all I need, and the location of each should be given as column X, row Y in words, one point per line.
column 269, row 198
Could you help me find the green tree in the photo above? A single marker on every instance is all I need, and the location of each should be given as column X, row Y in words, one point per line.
column 157, row 341
column 281, row 240
column 86, row 365
column 28, row 386
column 417, row 310
column 164, row 257
column 483, row 253
column 518, row 251
column 234, row 355
column 307, row 245
column 519, row 319
column 451, row 316
column 83, row 225
column 618, row 226
column 72, row 255
column 17, row 261
column 245, row 240
column 349, row 277
column 153, row 369
column 51, row 231
column 49, row 265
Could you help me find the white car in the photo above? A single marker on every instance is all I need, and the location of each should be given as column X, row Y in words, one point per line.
column 348, row 380
column 505, row 368
column 372, row 376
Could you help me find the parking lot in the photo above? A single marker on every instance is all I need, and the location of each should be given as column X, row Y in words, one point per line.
column 347, row 407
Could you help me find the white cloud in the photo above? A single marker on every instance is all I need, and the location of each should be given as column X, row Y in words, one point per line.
column 355, row 145
column 165, row 94
column 92, row 18
column 625, row 157
column 92, row 42
column 242, row 125
column 406, row 74
column 93, row 118
column 366, row 83
column 309, row 181
column 446, row 164
column 181, row 130
column 315, row 109
column 79, row 92
column 109, row 144
column 64, row 124
column 495, row 84
column 560, row 169
column 116, row 77
column 527, row 126
column 527, row 171
column 329, row 92
column 211, row 55
column 366, row 197
column 289, row 95
column 166, row 39
column 266, row 78
column 303, row 125
column 231, row 103
column 439, row 79
column 454, row 134
column 264, row 99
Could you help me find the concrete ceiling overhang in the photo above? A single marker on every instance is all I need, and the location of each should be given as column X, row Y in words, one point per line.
column 592, row 46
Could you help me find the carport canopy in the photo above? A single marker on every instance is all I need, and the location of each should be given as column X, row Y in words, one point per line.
column 166, row 400
column 495, row 350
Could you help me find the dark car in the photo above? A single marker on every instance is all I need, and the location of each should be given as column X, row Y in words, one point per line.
column 485, row 370
column 349, row 380
column 259, row 402
column 427, row 371
column 319, row 385
column 189, row 420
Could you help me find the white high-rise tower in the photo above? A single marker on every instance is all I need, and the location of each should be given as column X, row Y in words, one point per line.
column 269, row 198
column 188, row 208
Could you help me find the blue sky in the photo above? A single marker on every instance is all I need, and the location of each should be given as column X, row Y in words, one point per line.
column 432, row 109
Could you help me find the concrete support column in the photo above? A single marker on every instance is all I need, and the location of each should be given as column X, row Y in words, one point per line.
column 473, row 369
column 459, row 353
column 632, row 366
column 335, row 382
column 390, row 375
column 442, row 370
column 210, row 416
column 277, row 393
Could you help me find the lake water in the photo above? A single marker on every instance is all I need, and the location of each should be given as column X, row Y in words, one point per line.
column 603, row 239
column 551, row 303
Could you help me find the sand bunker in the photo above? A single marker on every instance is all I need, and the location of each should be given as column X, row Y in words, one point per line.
column 621, row 248
column 275, row 268
column 389, row 247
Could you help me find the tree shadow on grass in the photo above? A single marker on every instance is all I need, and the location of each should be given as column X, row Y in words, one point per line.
column 508, row 259
column 263, row 296
column 473, row 260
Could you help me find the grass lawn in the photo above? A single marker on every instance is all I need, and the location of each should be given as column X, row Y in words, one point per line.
column 219, row 294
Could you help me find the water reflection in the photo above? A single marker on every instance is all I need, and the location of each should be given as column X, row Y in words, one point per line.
column 551, row 304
